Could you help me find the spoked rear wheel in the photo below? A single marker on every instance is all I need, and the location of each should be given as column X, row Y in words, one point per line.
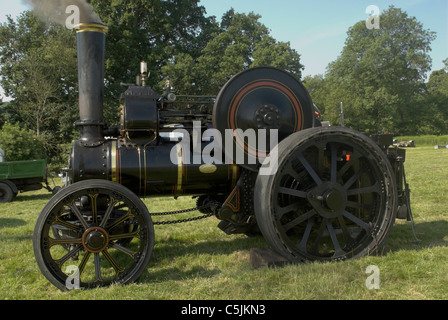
column 333, row 196
column 92, row 234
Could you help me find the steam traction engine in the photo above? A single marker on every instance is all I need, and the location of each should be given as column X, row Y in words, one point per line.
column 322, row 193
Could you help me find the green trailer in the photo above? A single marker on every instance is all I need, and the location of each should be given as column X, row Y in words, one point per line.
column 22, row 176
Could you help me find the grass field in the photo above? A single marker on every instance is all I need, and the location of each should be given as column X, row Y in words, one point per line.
column 197, row 261
column 426, row 140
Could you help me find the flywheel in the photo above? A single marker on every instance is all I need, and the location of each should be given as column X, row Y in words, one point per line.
column 260, row 98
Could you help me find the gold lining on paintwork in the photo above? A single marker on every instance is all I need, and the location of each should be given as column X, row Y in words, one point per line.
column 95, row 27
column 179, row 169
column 139, row 170
column 113, row 161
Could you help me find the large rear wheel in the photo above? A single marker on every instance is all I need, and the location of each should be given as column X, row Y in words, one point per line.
column 333, row 196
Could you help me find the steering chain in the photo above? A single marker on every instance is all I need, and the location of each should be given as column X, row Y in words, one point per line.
column 183, row 211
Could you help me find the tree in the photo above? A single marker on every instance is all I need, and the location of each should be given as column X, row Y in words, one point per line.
column 20, row 144
column 435, row 103
column 38, row 70
column 382, row 70
column 241, row 42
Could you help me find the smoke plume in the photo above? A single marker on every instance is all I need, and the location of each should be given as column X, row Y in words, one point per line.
column 55, row 10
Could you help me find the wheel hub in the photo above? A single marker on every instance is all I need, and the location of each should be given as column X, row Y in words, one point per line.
column 268, row 117
column 328, row 199
column 95, row 239
column 333, row 200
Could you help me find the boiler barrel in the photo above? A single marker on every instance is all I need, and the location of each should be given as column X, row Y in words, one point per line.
column 150, row 171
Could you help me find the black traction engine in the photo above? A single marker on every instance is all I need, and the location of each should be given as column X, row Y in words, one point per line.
column 260, row 163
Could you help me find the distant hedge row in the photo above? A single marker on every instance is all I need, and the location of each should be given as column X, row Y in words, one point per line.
column 429, row 140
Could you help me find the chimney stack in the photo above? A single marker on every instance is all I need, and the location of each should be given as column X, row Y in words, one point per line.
column 91, row 40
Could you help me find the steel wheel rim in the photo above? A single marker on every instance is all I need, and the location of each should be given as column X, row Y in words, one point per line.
column 70, row 240
column 332, row 208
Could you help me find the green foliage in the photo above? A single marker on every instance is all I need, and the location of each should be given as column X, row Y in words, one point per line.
column 39, row 71
column 20, row 144
column 240, row 43
column 436, row 101
column 381, row 73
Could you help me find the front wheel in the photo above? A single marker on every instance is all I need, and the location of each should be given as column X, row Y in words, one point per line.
column 333, row 196
column 91, row 234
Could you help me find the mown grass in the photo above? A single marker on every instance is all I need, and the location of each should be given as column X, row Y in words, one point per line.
column 197, row 261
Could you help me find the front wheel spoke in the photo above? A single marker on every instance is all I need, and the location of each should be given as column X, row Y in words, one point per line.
column 83, row 263
column 135, row 234
column 109, row 210
column 69, row 255
column 59, row 222
column 54, row 242
column 97, row 262
column 112, row 262
column 78, row 214
column 356, row 220
column 124, row 250
column 127, row 216
column 93, row 198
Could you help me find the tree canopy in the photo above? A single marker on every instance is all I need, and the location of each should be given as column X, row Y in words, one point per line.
column 381, row 74
column 239, row 42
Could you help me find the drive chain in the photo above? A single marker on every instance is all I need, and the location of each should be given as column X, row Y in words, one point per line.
column 181, row 211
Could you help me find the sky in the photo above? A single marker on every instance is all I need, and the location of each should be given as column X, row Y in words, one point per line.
column 316, row 29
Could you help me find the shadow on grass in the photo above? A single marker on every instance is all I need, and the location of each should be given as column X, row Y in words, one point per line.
column 430, row 234
column 32, row 197
column 427, row 234
column 172, row 247
column 175, row 250
column 177, row 274
column 11, row 223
